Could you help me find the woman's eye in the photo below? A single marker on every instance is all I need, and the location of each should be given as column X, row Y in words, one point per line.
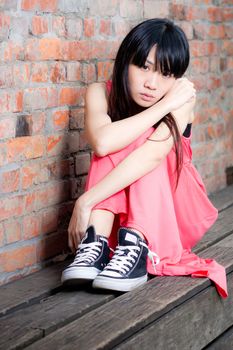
column 145, row 67
column 167, row 74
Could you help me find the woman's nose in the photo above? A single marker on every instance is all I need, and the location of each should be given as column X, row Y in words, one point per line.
column 152, row 81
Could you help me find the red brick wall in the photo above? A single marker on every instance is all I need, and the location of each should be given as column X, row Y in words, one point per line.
column 49, row 52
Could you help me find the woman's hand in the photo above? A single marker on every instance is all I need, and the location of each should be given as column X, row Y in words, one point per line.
column 186, row 110
column 181, row 92
column 78, row 223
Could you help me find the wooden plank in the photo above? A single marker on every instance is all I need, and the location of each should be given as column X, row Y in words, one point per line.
column 23, row 327
column 192, row 325
column 30, row 289
column 34, row 287
column 122, row 317
column 223, row 342
column 223, row 198
column 222, row 228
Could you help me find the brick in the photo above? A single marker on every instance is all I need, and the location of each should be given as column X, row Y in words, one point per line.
column 50, row 220
column 205, row 31
column 105, row 27
column 39, row 72
column 80, row 7
column 9, row 181
column 187, row 28
column 229, row 30
column 60, row 120
column 132, row 9
column 29, row 175
column 57, row 72
column 31, row 49
column 74, row 141
column 39, row 25
column 8, row 4
column 2, row 154
column 101, row 49
column 214, row 14
column 21, row 74
column 74, row 28
column 71, row 96
column 10, row 207
column 213, row 83
column 23, row 126
column 152, row 9
column 78, row 186
column 121, row 27
column 57, row 145
column 12, row 51
column 82, row 163
column 7, row 128
column 10, row 101
column 37, row 98
column 58, row 26
column 50, row 48
column 200, row 65
column 89, row 27
column 17, row 258
column 104, row 70
column 6, row 77
column 76, row 50
column 56, row 193
column 51, row 246
column 2, row 235
column 88, row 73
column 29, row 202
column 27, row 147
column 76, row 118
column 227, row 14
column 4, row 25
column 83, row 144
column 31, row 226
column 57, row 169
column 104, row 8
column 73, row 71
column 40, row 5
column 37, row 122
column 12, row 231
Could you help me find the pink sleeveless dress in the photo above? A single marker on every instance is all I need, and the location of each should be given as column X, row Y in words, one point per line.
column 173, row 221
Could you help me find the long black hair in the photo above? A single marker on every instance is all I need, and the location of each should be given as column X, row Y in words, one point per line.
column 171, row 58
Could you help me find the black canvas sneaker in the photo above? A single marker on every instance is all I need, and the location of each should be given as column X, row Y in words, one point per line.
column 127, row 268
column 91, row 258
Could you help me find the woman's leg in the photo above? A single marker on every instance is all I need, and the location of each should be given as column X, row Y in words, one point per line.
column 102, row 220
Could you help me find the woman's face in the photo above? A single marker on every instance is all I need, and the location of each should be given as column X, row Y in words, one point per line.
column 148, row 86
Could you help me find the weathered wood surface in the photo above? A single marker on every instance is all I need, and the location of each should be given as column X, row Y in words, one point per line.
column 120, row 318
column 37, row 307
column 25, row 326
column 191, row 325
column 223, row 342
column 222, row 199
column 29, row 289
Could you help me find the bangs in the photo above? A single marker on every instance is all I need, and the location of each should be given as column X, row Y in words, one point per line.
column 171, row 54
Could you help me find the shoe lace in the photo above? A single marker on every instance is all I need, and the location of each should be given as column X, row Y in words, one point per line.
column 151, row 256
column 123, row 259
column 87, row 252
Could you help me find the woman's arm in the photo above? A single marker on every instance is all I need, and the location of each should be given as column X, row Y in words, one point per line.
column 106, row 137
column 149, row 156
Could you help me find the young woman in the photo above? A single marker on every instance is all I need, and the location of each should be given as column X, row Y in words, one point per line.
column 141, row 180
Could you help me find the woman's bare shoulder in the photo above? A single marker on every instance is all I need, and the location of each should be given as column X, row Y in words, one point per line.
column 96, row 88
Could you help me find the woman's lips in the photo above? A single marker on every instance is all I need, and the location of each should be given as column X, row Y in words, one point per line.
column 146, row 97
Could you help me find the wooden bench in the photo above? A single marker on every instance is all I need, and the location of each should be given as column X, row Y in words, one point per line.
column 165, row 313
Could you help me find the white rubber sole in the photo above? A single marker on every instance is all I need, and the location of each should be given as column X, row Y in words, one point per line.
column 79, row 275
column 121, row 285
